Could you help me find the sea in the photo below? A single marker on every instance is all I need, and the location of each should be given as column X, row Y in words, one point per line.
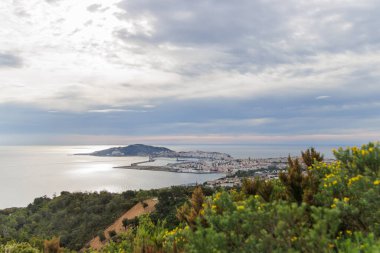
column 28, row 172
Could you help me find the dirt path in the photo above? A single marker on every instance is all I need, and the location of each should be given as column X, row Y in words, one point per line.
column 118, row 227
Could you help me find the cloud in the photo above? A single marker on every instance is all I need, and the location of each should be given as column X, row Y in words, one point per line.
column 111, row 110
column 207, row 119
column 225, row 123
column 258, row 32
column 189, row 50
column 52, row 1
column 94, row 7
column 322, row 97
column 352, row 138
column 193, row 67
column 8, row 60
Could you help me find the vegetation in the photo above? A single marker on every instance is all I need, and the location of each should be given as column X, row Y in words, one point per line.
column 13, row 247
column 252, row 173
column 313, row 207
column 112, row 233
column 169, row 200
column 135, row 150
column 74, row 217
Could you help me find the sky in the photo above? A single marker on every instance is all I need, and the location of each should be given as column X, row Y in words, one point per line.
column 201, row 71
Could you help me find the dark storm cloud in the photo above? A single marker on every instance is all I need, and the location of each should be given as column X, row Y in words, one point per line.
column 8, row 60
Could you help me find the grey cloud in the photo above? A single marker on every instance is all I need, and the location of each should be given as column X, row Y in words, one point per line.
column 21, row 13
column 88, row 23
column 315, row 65
column 205, row 21
column 52, row 1
column 258, row 33
column 281, row 116
column 322, row 97
column 94, row 7
column 10, row 60
column 246, row 32
column 114, row 110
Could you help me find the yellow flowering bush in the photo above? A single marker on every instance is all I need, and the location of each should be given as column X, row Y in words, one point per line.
column 364, row 160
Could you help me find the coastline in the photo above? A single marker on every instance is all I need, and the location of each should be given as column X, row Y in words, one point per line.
column 164, row 168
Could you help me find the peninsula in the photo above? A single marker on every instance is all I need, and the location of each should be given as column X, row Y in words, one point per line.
column 136, row 150
column 151, row 151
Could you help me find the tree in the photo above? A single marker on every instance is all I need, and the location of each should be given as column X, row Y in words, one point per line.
column 101, row 235
column 251, row 187
column 111, row 233
column 266, row 190
column 144, row 204
column 292, row 180
column 310, row 156
column 52, row 245
column 190, row 212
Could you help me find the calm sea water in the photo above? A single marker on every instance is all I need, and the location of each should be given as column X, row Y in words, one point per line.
column 34, row 171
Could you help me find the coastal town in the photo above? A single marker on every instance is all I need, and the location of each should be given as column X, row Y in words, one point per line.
column 227, row 166
column 231, row 170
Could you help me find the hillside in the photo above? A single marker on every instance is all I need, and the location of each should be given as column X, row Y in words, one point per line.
column 118, row 227
column 146, row 150
column 74, row 217
column 136, row 150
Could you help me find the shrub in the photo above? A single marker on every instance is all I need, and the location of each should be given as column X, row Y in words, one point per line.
column 52, row 245
column 12, row 247
column 112, row 233
column 101, row 236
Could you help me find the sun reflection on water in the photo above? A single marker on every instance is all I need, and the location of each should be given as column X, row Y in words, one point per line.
column 91, row 169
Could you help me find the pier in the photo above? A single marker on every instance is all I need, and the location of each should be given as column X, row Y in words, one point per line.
column 151, row 159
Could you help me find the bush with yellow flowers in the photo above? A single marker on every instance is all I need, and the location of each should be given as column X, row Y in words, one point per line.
column 349, row 184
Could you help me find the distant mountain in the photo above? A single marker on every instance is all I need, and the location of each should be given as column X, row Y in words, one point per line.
column 136, row 150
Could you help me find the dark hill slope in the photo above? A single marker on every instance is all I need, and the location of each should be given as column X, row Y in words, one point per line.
column 136, row 150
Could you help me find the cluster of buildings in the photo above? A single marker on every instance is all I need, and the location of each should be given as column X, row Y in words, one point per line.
column 264, row 168
column 236, row 180
column 233, row 169
column 204, row 155
column 227, row 165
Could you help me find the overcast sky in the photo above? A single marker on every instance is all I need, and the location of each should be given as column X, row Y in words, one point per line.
column 180, row 71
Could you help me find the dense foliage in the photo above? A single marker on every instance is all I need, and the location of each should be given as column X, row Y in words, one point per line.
column 253, row 173
column 74, row 217
column 169, row 200
column 313, row 207
column 77, row 217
